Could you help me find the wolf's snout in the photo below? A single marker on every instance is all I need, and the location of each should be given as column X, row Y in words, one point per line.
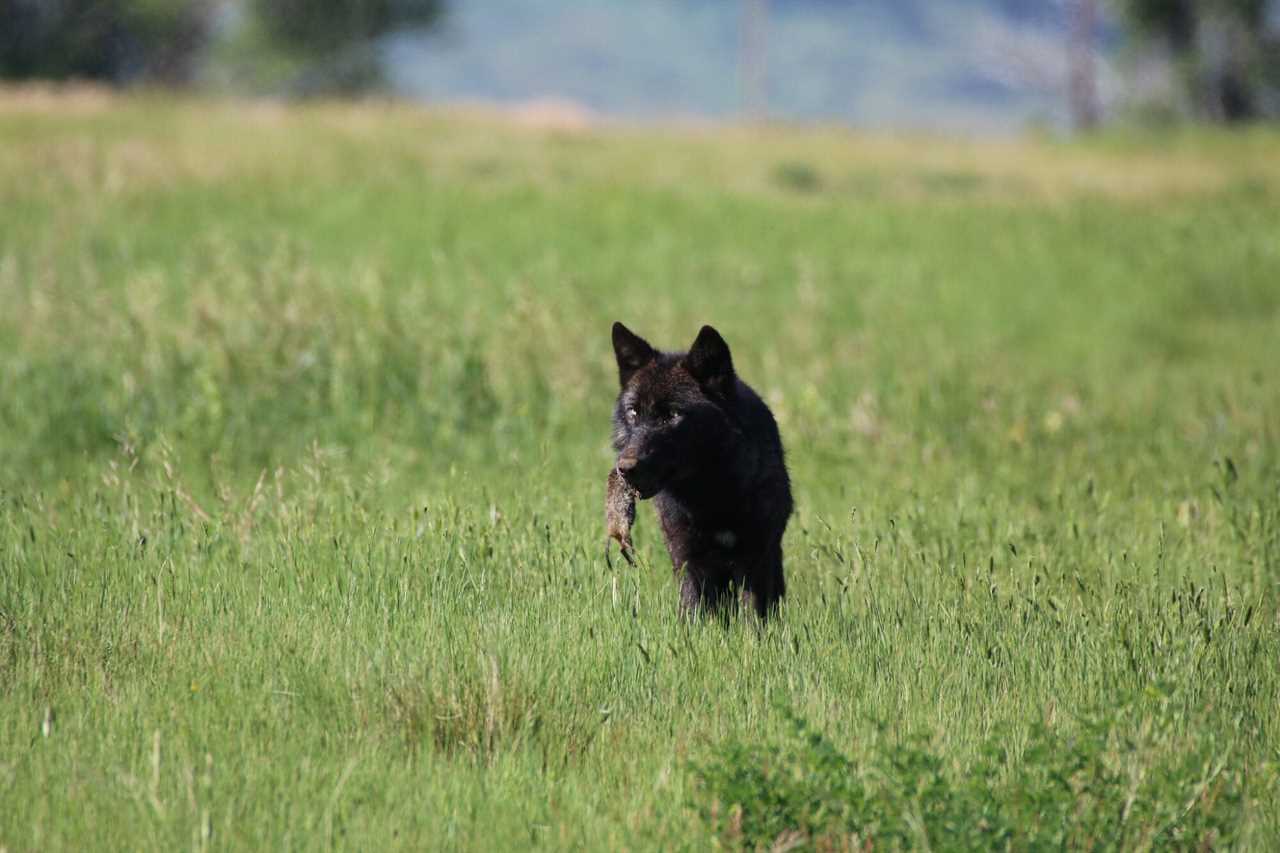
column 639, row 472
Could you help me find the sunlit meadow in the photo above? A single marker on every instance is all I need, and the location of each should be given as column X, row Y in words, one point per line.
column 303, row 438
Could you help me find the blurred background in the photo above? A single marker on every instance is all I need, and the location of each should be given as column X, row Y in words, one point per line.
column 305, row 412
column 976, row 66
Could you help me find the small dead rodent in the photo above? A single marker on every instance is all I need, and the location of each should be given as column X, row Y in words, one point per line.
column 619, row 515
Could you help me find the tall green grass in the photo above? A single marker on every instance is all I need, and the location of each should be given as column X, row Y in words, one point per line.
column 303, row 434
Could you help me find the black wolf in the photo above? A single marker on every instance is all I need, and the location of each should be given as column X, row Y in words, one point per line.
column 694, row 437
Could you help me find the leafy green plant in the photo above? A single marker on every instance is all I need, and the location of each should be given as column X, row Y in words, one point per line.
column 1111, row 782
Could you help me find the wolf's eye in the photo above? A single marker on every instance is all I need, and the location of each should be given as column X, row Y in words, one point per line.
column 674, row 418
column 631, row 414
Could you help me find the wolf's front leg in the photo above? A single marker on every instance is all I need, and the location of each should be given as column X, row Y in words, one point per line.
column 764, row 587
column 703, row 592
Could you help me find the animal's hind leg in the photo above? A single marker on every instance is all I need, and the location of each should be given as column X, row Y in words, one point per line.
column 763, row 602
column 763, row 591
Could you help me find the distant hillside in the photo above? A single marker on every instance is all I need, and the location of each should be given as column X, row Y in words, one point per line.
column 978, row 65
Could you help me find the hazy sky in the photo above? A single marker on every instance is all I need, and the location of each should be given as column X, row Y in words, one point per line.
column 964, row 64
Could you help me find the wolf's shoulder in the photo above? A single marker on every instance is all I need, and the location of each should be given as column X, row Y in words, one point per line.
column 755, row 416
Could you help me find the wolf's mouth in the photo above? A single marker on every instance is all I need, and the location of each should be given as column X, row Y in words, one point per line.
column 648, row 492
column 646, row 482
column 644, row 486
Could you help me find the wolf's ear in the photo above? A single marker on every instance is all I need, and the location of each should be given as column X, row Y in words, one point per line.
column 632, row 351
column 710, row 363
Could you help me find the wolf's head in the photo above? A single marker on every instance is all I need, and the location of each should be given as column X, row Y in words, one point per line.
column 671, row 414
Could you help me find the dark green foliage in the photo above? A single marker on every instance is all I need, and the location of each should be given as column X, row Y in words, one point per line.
column 1172, row 20
column 328, row 47
column 1227, row 52
column 317, row 27
column 314, row 47
column 798, row 176
column 1102, row 783
column 117, row 41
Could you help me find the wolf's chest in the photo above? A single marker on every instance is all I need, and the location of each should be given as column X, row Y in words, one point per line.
column 725, row 538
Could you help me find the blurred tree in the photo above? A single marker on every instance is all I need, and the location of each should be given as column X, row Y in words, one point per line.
column 1225, row 50
column 1082, row 70
column 117, row 41
column 330, row 46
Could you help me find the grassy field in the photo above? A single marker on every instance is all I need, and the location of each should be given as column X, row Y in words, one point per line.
column 303, row 437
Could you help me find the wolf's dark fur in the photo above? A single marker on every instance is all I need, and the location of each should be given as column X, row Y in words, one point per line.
column 694, row 437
